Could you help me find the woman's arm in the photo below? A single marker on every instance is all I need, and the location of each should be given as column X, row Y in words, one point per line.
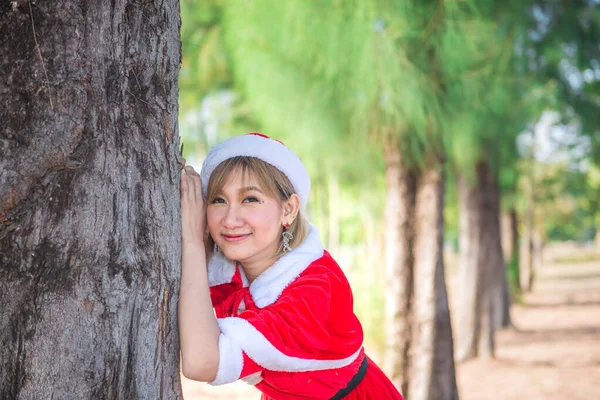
column 198, row 329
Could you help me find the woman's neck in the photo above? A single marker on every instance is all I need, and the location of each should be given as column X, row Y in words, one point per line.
column 254, row 270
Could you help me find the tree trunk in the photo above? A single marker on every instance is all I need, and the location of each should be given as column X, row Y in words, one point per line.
column 89, row 202
column 475, row 336
column 399, row 214
column 506, row 235
column 433, row 373
column 511, row 227
column 528, row 251
column 492, row 248
column 527, row 258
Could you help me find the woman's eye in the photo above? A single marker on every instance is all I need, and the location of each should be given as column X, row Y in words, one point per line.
column 218, row 200
column 251, row 199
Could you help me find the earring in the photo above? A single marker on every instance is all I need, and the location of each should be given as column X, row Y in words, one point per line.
column 287, row 236
column 216, row 249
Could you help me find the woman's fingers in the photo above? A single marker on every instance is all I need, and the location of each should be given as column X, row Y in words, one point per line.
column 191, row 192
column 194, row 183
column 192, row 210
column 191, row 188
column 190, row 170
column 188, row 185
column 198, row 186
column 184, row 185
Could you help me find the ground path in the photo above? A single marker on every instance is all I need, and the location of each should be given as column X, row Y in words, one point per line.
column 553, row 353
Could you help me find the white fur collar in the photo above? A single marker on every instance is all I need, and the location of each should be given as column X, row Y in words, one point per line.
column 267, row 287
column 221, row 270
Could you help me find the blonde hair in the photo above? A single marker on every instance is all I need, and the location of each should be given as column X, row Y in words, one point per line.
column 274, row 183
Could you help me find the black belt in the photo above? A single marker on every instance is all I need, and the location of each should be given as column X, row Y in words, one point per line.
column 356, row 379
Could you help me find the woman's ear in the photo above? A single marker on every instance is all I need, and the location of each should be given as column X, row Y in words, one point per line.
column 291, row 207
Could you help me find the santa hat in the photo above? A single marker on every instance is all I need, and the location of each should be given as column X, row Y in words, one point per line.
column 262, row 147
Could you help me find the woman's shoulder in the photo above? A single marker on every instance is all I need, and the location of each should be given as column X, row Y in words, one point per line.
column 324, row 269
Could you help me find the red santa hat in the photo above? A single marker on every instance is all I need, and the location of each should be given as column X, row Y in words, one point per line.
column 262, row 147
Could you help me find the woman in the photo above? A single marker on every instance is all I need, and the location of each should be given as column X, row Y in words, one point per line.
column 284, row 319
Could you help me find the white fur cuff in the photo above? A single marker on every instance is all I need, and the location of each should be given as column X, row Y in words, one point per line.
column 231, row 361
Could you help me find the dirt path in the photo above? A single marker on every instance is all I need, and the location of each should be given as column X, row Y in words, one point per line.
column 553, row 353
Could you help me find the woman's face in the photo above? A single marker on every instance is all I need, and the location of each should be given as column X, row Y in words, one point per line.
column 245, row 223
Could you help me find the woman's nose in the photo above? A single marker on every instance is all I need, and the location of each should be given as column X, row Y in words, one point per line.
column 232, row 218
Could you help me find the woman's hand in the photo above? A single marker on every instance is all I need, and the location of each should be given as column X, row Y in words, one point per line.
column 198, row 329
column 193, row 214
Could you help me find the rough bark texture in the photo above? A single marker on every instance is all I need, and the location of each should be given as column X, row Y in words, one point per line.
column 89, row 203
column 433, row 373
column 401, row 187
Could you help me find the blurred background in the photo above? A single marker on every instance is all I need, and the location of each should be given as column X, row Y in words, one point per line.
column 454, row 152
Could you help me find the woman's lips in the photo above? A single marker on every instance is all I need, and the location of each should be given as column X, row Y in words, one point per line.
column 235, row 238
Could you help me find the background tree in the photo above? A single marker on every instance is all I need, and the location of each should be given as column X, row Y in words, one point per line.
column 561, row 48
column 482, row 126
column 373, row 95
column 359, row 72
column 89, row 199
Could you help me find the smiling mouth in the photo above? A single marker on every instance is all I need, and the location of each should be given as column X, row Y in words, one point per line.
column 235, row 238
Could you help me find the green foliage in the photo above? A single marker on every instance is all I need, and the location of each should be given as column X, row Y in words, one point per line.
column 205, row 63
column 329, row 71
column 566, row 202
column 484, row 86
column 335, row 79
column 513, row 276
column 563, row 44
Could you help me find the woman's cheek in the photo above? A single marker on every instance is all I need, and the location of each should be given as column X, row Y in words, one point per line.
column 212, row 220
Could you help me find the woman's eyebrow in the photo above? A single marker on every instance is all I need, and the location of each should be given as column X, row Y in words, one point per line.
column 250, row 188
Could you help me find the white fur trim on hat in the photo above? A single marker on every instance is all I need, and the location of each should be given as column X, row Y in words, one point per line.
column 269, row 150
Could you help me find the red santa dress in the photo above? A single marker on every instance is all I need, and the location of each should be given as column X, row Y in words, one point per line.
column 292, row 333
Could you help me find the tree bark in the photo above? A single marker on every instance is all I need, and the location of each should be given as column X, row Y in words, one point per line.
column 527, row 271
column 506, row 235
column 510, row 245
column 492, row 248
column 399, row 212
column 433, row 373
column 89, row 200
column 527, row 267
column 478, row 260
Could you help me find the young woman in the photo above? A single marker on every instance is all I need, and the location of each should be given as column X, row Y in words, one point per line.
column 284, row 319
